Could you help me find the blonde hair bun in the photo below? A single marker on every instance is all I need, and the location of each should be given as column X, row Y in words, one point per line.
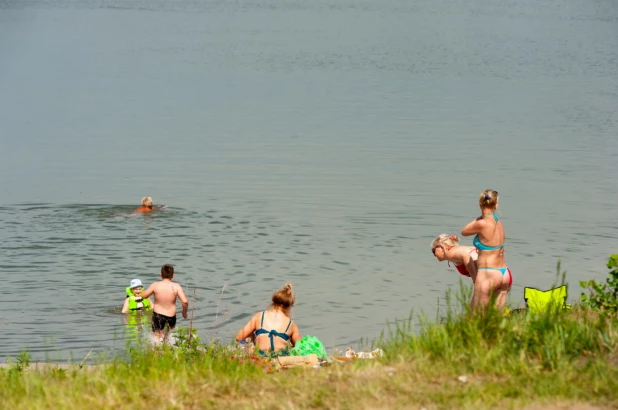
column 488, row 198
column 284, row 297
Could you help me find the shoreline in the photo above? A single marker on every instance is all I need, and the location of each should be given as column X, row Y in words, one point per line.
column 552, row 359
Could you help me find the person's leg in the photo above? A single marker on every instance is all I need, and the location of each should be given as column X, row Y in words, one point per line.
column 158, row 326
column 505, row 287
column 170, row 324
column 492, row 285
column 482, row 292
column 501, row 299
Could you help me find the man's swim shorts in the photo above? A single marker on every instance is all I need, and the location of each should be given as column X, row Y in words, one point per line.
column 159, row 321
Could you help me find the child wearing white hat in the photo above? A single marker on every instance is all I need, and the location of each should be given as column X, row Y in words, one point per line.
column 134, row 301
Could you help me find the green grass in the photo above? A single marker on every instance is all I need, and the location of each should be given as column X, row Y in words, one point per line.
column 559, row 359
column 557, row 355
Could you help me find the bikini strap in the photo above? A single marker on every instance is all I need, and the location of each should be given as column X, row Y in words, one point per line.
column 262, row 322
column 271, row 336
column 494, row 215
column 286, row 329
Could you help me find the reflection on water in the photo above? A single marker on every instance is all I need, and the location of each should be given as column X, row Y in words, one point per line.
column 323, row 143
column 138, row 331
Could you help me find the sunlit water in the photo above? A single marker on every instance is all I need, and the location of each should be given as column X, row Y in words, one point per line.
column 322, row 143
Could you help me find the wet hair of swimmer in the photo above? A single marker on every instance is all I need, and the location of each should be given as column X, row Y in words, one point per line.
column 147, row 201
column 488, row 198
column 284, row 298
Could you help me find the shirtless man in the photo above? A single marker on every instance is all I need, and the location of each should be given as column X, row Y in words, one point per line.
column 165, row 293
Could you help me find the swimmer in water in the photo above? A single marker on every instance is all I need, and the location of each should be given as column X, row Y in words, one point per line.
column 146, row 206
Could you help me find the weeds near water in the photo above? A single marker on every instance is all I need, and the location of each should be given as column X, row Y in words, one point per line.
column 22, row 361
column 509, row 361
column 84, row 361
column 603, row 297
column 215, row 333
column 496, row 341
column 219, row 303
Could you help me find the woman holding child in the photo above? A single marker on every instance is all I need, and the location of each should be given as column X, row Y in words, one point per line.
column 272, row 330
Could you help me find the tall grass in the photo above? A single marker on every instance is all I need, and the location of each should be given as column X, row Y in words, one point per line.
column 495, row 341
column 462, row 360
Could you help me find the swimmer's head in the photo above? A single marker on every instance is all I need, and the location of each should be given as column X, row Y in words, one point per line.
column 488, row 199
column 147, row 201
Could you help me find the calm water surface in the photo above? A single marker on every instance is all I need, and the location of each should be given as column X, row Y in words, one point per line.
column 322, row 143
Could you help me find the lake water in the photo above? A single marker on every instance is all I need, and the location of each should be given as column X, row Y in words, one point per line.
column 322, row 143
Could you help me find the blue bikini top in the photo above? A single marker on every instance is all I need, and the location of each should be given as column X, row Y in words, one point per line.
column 479, row 245
column 272, row 333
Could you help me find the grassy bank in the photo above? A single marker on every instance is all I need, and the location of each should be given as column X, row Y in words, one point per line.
column 559, row 359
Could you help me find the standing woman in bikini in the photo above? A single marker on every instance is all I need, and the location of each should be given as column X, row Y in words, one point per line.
column 447, row 248
column 493, row 278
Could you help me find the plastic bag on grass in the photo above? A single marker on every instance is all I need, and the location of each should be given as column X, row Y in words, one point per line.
column 309, row 345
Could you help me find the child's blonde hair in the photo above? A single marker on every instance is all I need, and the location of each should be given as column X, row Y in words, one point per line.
column 445, row 239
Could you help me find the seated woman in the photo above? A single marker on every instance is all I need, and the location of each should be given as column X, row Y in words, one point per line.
column 446, row 248
column 272, row 330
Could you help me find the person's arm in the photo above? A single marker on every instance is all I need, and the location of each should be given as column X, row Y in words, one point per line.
column 247, row 330
column 295, row 336
column 125, row 306
column 468, row 261
column 184, row 301
column 473, row 227
column 146, row 294
column 480, row 297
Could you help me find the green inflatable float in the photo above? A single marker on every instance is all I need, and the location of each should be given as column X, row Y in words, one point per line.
column 309, row 345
